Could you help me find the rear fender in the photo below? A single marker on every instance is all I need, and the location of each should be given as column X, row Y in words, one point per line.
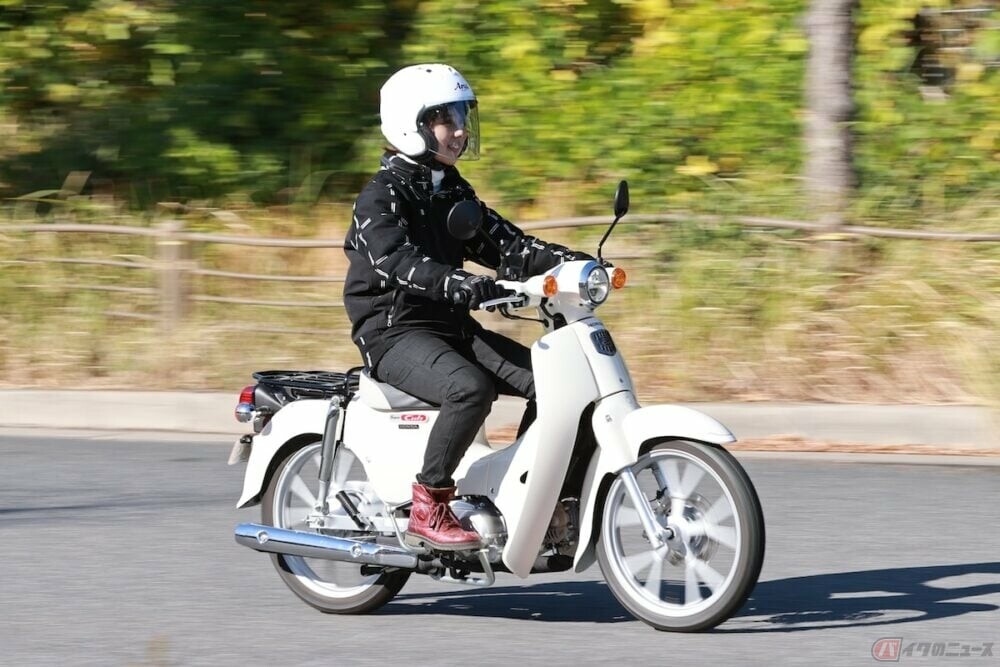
column 296, row 421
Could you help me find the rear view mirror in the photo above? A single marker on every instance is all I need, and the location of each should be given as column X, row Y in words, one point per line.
column 621, row 199
column 464, row 219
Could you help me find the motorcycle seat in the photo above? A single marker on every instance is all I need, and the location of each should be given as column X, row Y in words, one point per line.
column 384, row 397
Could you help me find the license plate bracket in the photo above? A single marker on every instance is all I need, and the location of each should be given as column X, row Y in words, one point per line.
column 241, row 450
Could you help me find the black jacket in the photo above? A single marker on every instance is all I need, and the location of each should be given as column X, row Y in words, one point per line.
column 404, row 265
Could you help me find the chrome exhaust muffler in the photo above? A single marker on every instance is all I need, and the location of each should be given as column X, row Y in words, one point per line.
column 313, row 545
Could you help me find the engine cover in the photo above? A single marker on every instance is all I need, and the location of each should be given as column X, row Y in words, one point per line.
column 478, row 513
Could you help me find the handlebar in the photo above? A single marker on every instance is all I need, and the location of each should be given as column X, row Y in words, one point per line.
column 518, row 299
column 515, row 300
column 527, row 293
column 521, row 297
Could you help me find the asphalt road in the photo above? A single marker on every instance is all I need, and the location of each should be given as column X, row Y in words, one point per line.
column 118, row 551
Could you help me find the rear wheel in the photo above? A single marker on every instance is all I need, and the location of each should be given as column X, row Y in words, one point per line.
column 702, row 574
column 331, row 586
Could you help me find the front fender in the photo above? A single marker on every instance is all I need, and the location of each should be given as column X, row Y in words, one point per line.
column 622, row 434
column 674, row 422
column 295, row 419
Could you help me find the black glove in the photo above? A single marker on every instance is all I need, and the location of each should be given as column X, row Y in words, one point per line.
column 474, row 290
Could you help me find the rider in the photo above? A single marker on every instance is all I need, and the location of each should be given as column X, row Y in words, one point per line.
column 408, row 297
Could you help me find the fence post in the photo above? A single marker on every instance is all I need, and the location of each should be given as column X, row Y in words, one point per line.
column 172, row 255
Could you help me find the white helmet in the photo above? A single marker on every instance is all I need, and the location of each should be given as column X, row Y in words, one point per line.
column 413, row 95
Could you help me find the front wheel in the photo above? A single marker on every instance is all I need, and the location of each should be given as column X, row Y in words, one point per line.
column 706, row 570
column 333, row 587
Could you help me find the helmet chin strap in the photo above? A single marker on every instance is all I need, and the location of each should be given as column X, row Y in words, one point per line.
column 431, row 151
column 426, row 159
column 429, row 156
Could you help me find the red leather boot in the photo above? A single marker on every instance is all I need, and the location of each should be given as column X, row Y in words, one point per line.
column 433, row 523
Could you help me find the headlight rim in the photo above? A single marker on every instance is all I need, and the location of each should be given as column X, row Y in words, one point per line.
column 586, row 286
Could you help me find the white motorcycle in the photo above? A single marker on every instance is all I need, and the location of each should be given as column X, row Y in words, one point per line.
column 648, row 492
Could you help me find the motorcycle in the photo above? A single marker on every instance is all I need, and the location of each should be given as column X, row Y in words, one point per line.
column 649, row 493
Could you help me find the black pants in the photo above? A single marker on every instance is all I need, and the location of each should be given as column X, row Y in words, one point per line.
column 463, row 376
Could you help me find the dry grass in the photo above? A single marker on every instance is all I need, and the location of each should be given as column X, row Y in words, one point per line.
column 717, row 314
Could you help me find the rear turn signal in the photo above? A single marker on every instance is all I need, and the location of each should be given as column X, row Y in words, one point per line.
column 245, row 408
column 618, row 278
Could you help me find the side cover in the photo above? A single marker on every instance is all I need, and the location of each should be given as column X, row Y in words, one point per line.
column 391, row 446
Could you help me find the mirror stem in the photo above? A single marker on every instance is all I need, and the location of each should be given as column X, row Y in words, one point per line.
column 605, row 238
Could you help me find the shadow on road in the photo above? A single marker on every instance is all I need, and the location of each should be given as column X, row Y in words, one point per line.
column 869, row 597
column 563, row 601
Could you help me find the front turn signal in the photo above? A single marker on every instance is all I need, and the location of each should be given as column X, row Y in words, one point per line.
column 618, row 278
column 550, row 286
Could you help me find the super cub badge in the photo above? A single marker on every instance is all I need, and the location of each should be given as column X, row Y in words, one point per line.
column 410, row 420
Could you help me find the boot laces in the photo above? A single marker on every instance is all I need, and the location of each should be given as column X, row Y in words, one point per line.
column 441, row 516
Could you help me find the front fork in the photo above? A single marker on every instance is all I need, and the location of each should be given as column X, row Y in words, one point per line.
column 656, row 534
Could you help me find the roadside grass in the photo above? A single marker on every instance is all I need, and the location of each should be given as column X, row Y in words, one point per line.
column 712, row 312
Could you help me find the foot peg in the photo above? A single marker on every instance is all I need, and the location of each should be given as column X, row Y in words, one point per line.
column 487, row 579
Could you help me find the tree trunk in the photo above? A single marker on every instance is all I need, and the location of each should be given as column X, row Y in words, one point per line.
column 828, row 171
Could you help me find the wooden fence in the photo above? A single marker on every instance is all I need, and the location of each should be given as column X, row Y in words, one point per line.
column 173, row 265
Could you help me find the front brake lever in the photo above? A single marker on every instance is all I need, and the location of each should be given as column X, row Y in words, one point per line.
column 516, row 300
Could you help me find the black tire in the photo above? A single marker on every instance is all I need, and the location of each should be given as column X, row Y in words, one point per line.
column 682, row 607
column 297, row 573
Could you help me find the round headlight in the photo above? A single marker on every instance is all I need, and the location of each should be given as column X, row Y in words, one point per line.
column 598, row 285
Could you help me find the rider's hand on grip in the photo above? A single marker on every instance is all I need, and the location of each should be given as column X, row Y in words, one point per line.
column 477, row 289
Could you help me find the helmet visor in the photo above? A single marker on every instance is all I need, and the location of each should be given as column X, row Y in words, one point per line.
column 462, row 116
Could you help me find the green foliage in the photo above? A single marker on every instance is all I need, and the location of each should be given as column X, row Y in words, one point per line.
column 923, row 150
column 699, row 103
column 577, row 95
column 206, row 96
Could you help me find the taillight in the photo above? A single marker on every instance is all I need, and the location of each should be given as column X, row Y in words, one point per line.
column 245, row 408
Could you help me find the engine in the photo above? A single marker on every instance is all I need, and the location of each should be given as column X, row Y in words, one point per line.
column 478, row 513
column 563, row 530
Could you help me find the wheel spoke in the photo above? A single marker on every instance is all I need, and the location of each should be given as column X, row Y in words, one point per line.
column 302, row 492
column 654, row 581
column 638, row 562
column 704, row 571
column 676, row 507
column 692, row 592
column 719, row 511
column 689, row 480
column 724, row 535
column 628, row 517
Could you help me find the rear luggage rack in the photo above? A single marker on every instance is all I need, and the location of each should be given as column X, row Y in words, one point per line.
column 310, row 384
